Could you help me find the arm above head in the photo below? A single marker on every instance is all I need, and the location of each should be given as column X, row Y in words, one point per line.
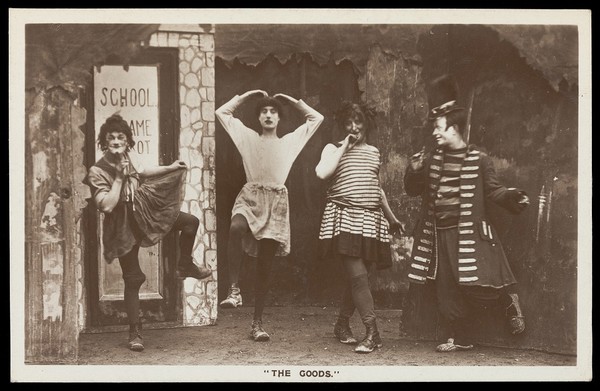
column 225, row 112
column 313, row 118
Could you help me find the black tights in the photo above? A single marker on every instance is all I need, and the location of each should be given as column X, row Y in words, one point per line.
column 188, row 225
column 357, row 293
column 266, row 252
column 134, row 277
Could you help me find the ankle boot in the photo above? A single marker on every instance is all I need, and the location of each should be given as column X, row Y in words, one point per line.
column 342, row 331
column 372, row 339
column 187, row 268
column 135, row 338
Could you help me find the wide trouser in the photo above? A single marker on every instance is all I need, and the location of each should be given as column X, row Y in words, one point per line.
column 458, row 304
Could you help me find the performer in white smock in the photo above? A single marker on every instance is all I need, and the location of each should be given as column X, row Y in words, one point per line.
column 260, row 223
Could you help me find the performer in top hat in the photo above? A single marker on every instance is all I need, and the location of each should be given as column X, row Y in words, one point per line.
column 455, row 246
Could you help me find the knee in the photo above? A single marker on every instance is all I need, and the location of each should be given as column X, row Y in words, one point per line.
column 191, row 226
column 134, row 280
column 194, row 222
column 237, row 228
column 359, row 282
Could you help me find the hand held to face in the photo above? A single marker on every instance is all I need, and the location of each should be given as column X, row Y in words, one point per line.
column 122, row 166
column 350, row 141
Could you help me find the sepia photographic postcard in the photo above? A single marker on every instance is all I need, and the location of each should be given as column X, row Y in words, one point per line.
column 328, row 195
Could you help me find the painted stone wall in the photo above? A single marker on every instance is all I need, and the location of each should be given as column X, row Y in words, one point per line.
column 197, row 149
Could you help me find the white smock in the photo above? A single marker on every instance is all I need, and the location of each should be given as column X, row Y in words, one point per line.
column 263, row 200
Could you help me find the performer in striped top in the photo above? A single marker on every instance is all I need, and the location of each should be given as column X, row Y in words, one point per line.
column 455, row 246
column 356, row 222
column 447, row 202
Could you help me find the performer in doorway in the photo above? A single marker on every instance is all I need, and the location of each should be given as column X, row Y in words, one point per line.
column 140, row 205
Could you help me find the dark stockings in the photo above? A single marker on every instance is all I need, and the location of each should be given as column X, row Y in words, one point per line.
column 266, row 253
column 133, row 278
column 188, row 225
column 347, row 305
column 358, row 281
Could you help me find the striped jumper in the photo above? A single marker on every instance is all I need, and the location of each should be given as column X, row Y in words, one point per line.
column 353, row 222
column 480, row 257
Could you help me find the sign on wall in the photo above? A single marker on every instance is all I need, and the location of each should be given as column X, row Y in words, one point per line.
column 133, row 94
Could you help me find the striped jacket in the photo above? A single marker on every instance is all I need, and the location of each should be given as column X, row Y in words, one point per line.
column 481, row 258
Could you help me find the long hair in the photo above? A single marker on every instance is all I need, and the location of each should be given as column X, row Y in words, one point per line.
column 114, row 123
column 359, row 110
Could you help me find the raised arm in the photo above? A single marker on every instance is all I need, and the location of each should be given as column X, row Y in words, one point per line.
column 330, row 157
column 225, row 113
column 313, row 120
column 106, row 194
column 415, row 180
column 151, row 170
column 159, row 170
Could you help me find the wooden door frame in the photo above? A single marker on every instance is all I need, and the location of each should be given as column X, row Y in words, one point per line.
column 169, row 125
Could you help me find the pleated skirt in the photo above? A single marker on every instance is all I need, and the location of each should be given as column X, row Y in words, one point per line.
column 355, row 232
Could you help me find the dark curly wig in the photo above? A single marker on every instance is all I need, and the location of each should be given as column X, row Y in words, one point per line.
column 349, row 110
column 268, row 101
column 114, row 123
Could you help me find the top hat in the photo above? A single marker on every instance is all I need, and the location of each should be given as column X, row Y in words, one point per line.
column 442, row 95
